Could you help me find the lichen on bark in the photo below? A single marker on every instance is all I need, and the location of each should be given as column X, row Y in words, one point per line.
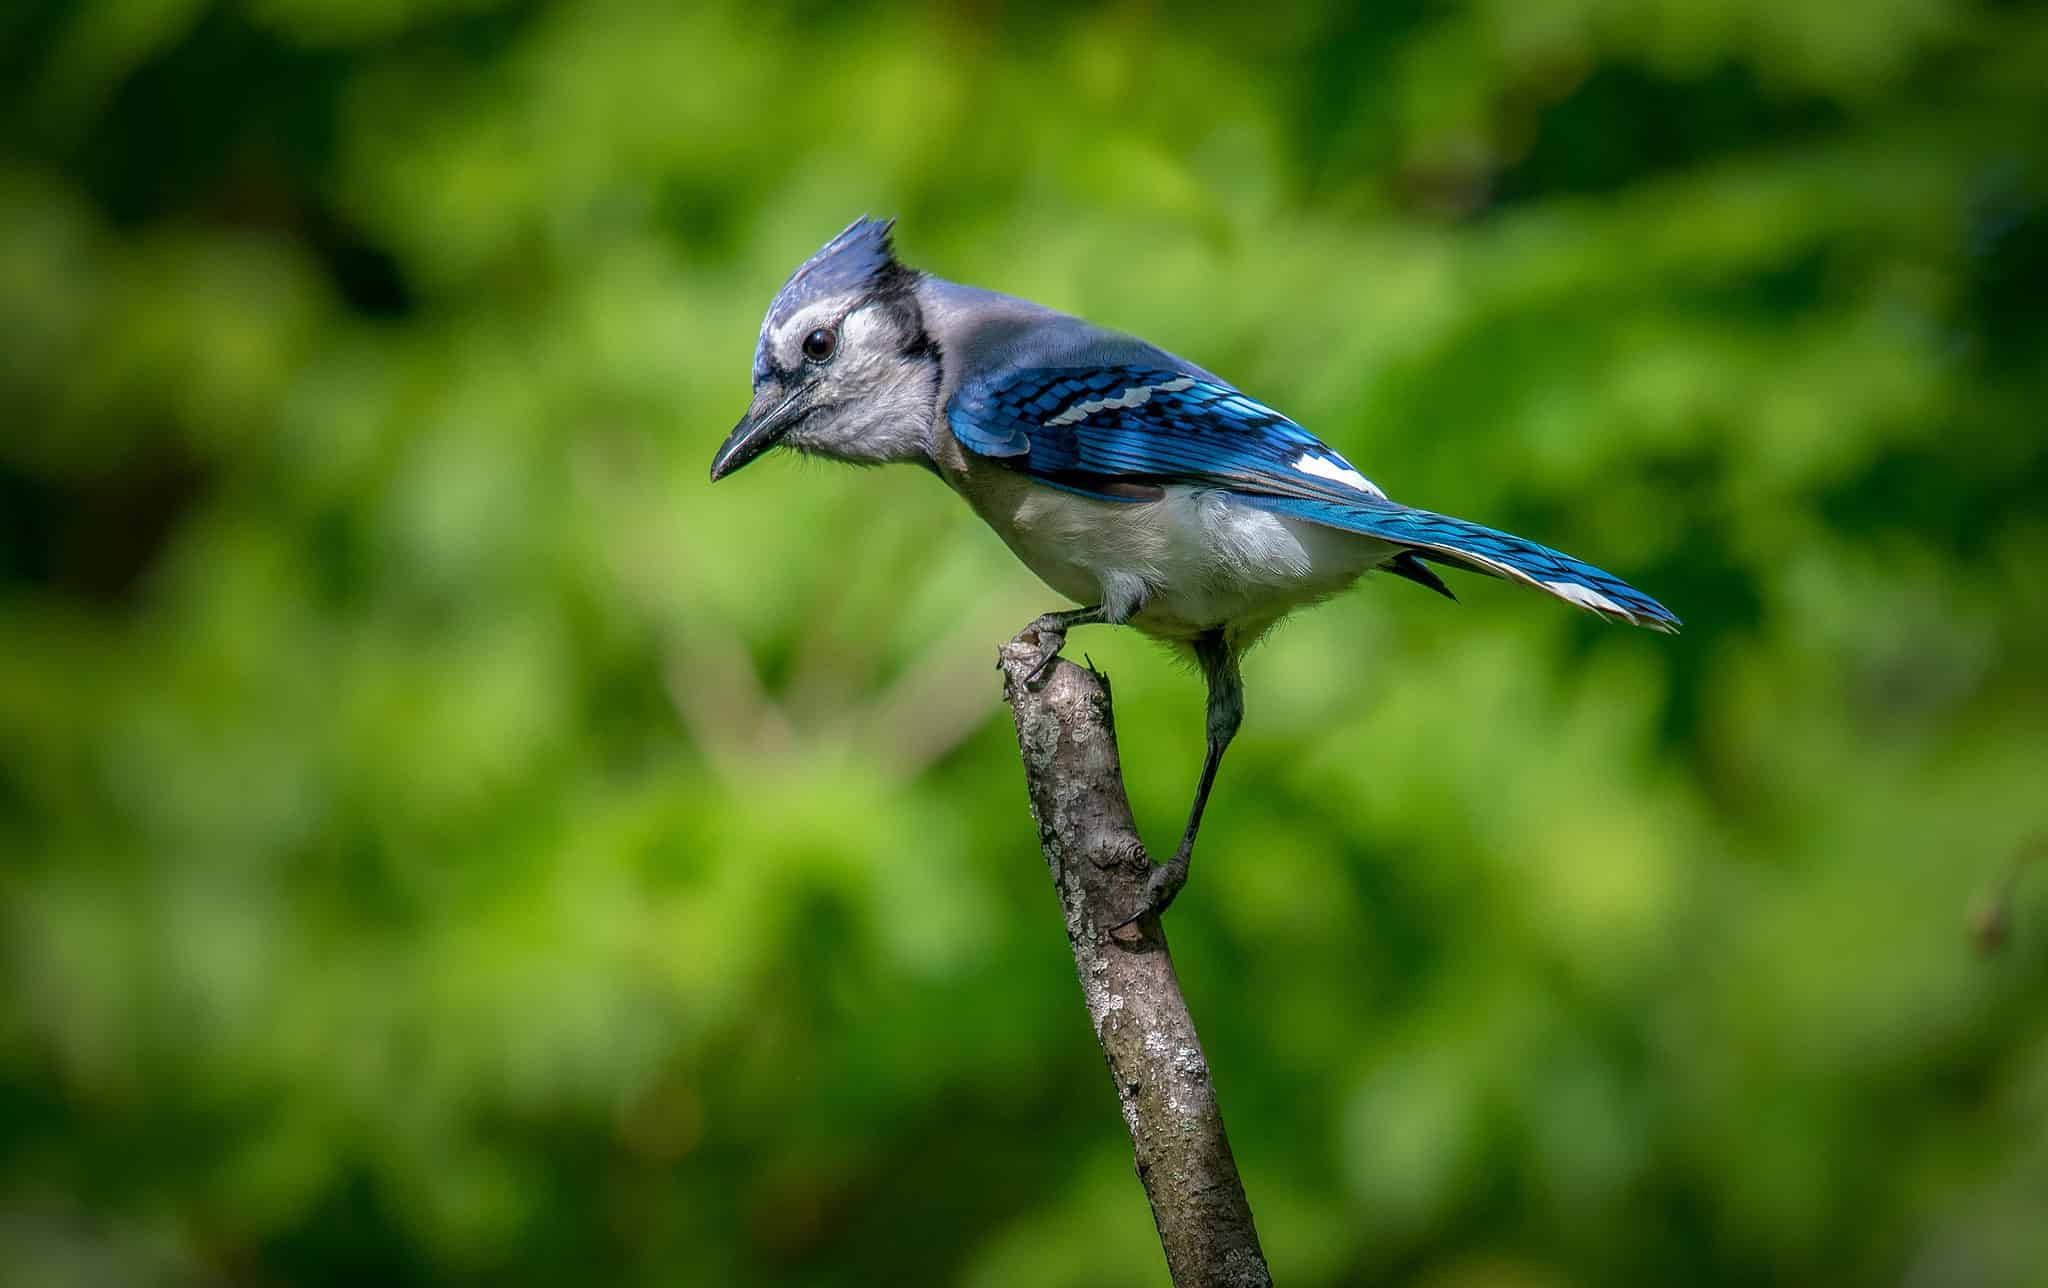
column 1066, row 736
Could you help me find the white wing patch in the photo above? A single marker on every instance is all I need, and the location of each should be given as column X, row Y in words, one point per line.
column 1336, row 472
column 1587, row 597
column 1137, row 396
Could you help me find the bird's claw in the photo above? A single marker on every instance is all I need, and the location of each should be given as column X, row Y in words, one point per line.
column 1161, row 885
column 1041, row 673
column 1052, row 637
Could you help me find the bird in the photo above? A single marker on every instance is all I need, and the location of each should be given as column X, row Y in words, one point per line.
column 1145, row 489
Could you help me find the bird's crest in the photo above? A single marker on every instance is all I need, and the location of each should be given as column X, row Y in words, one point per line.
column 862, row 258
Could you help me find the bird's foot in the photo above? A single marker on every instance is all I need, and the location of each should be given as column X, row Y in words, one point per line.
column 1161, row 885
column 1052, row 637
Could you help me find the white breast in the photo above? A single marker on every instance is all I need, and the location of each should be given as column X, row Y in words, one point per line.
column 1193, row 561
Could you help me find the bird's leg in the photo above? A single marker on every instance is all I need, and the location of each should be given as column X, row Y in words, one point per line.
column 1226, row 712
column 1052, row 631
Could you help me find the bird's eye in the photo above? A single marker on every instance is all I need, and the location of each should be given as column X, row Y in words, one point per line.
column 819, row 345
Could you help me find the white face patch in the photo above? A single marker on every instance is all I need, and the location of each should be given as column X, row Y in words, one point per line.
column 872, row 405
column 865, row 328
column 1134, row 397
column 1336, row 472
column 861, row 334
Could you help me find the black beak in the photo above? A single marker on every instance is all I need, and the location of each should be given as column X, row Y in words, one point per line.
column 760, row 429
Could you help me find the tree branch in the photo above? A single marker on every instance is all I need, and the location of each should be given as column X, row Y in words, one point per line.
column 1068, row 740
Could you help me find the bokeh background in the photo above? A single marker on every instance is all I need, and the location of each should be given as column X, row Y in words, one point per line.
column 446, row 840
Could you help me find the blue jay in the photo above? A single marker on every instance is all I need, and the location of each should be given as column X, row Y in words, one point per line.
column 1131, row 481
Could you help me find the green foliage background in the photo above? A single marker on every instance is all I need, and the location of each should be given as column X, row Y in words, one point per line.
column 445, row 840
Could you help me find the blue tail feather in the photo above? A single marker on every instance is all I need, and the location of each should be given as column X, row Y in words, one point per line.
column 1442, row 539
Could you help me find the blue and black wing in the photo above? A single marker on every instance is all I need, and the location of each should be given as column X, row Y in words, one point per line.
column 1116, row 431
column 1086, row 427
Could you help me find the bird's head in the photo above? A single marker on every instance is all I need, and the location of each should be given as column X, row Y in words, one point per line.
column 844, row 368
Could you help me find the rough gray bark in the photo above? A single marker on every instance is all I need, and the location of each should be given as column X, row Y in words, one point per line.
column 1068, row 741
